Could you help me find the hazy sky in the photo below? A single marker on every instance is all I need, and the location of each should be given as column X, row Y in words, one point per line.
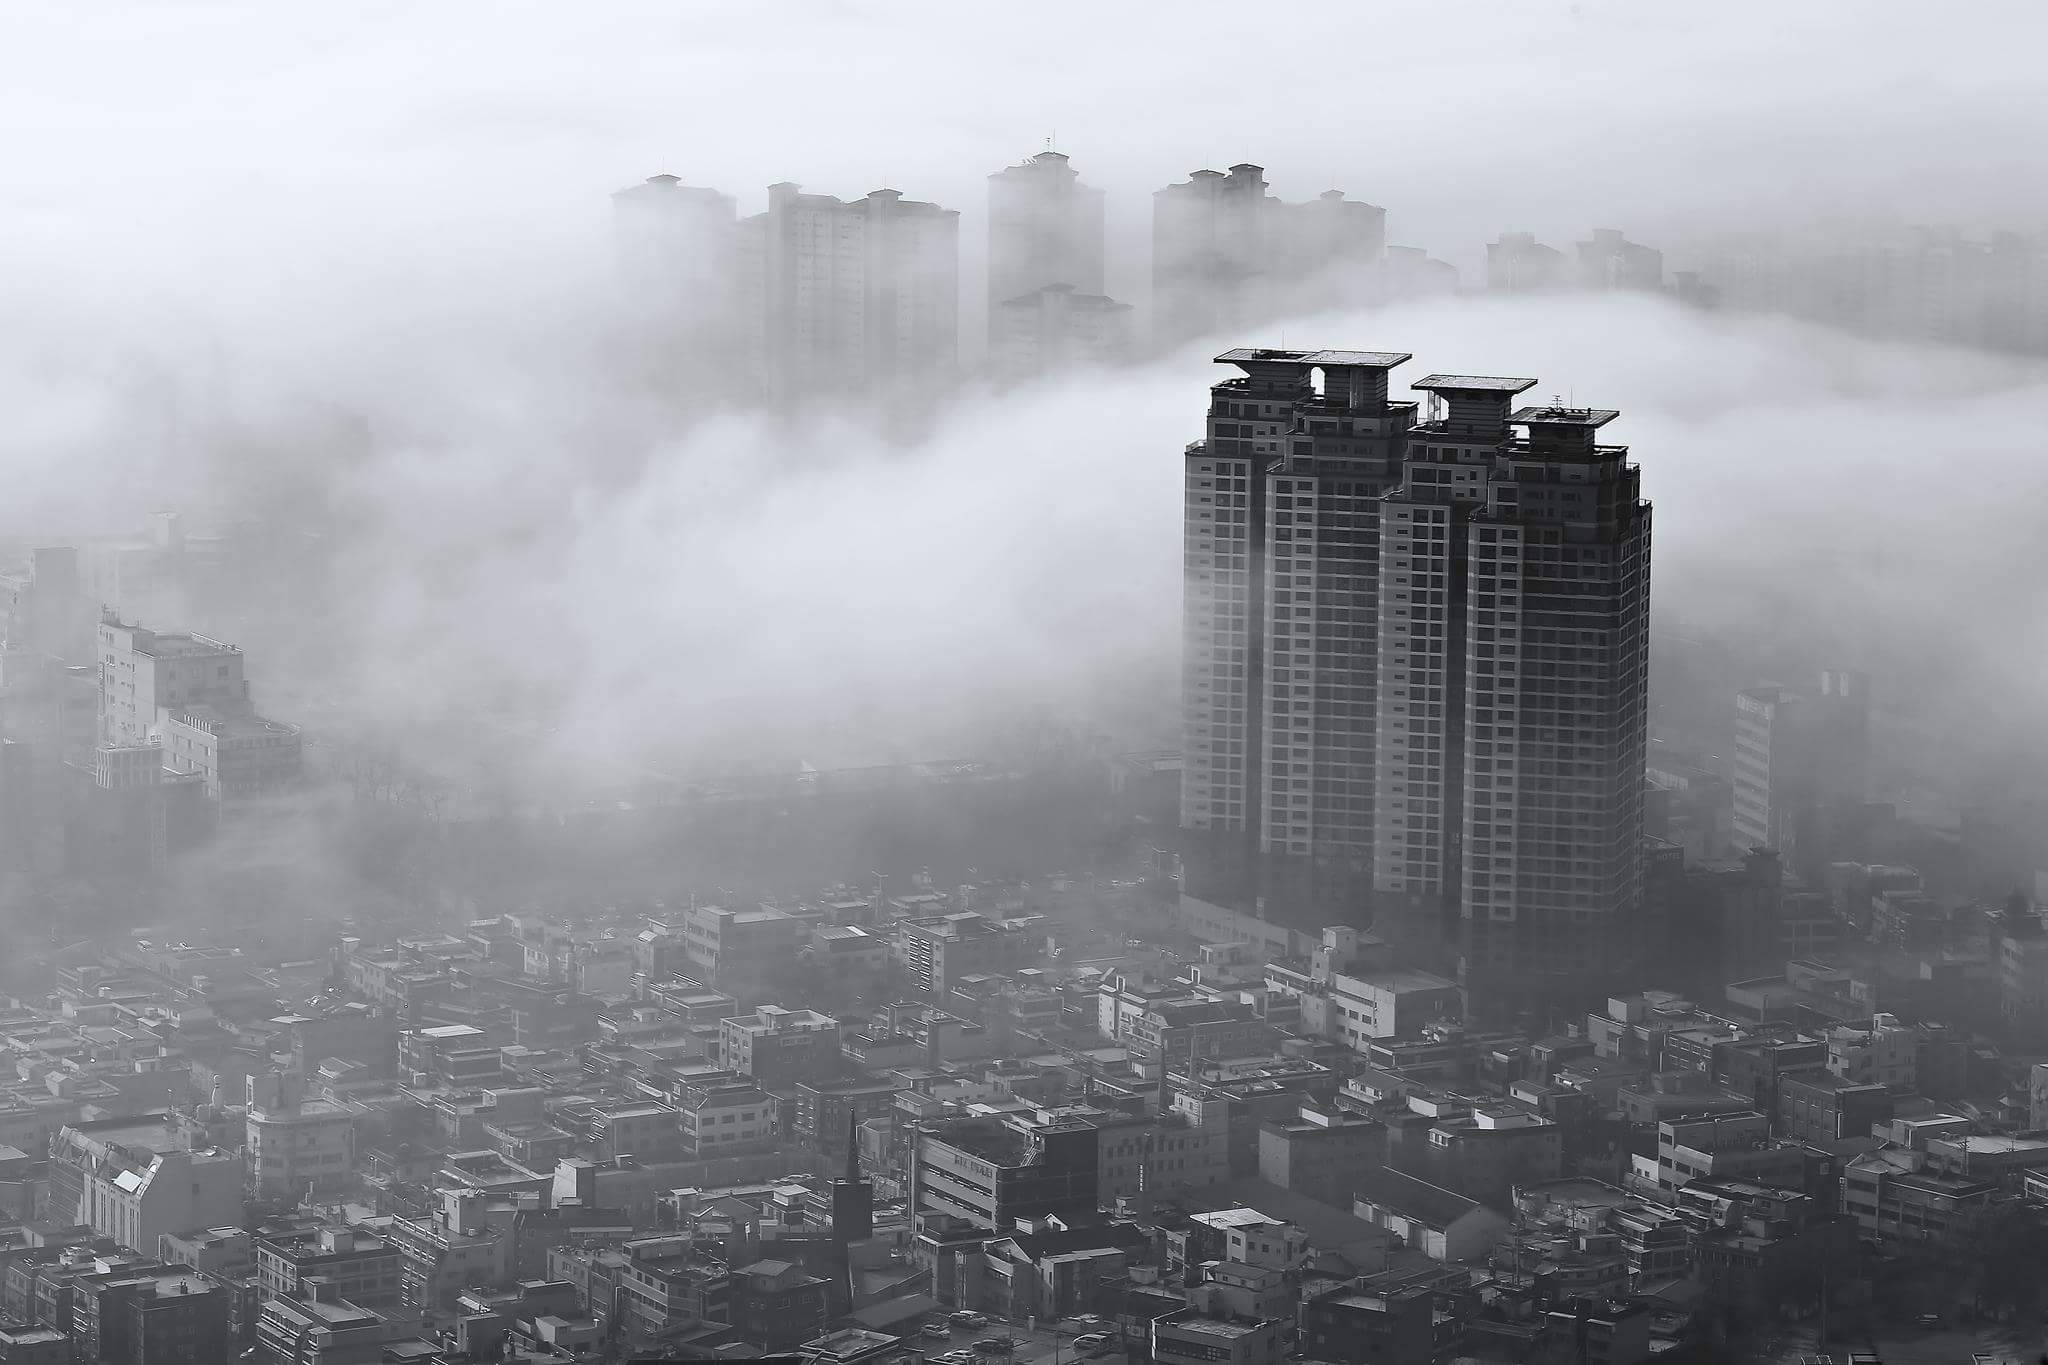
column 193, row 127
column 257, row 216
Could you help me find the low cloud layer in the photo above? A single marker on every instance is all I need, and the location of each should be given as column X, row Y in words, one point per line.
column 528, row 558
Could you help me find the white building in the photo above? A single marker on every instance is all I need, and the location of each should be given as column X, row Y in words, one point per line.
column 1386, row 1004
column 293, row 1144
column 136, row 1196
column 146, row 677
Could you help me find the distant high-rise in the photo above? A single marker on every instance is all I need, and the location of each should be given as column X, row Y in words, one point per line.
column 1227, row 255
column 857, row 297
column 1053, row 328
column 674, row 242
column 1608, row 260
column 676, row 245
column 1519, row 264
column 1044, row 229
column 1415, row 664
column 1046, row 308
column 1799, row 759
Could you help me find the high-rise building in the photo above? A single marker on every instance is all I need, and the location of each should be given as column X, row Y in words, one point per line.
column 1245, row 600
column 857, row 297
column 674, row 242
column 1415, row 663
column 1227, row 255
column 1044, row 228
column 1519, row 264
column 1052, row 328
column 1608, row 260
column 676, row 246
column 1800, row 761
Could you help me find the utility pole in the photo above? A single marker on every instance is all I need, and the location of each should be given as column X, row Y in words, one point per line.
column 1826, row 1265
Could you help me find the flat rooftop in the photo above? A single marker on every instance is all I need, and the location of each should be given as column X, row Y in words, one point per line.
column 1371, row 360
column 1253, row 355
column 1563, row 417
column 1227, row 1328
column 185, row 647
column 1472, row 383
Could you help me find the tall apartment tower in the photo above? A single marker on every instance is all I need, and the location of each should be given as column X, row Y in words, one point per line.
column 1227, row 255
column 675, row 247
column 857, row 297
column 1044, row 228
column 1046, row 308
column 1209, row 254
column 1415, row 664
column 674, row 242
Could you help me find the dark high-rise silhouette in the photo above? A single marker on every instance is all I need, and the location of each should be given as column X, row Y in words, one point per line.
column 1415, row 669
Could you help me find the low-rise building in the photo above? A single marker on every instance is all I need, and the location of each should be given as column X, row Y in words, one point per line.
column 103, row 1175
column 34, row 1346
column 316, row 1326
column 455, row 1055
column 1597, row 1332
column 737, row 950
column 1193, row 1337
column 725, row 1117
column 824, row 1110
column 1354, row 1326
column 360, row 1266
column 1320, row 1151
column 293, row 1144
column 938, row 950
column 441, row 1256
column 1441, row 1224
column 647, row 1132
column 778, row 1303
column 1822, row 1108
column 1187, row 1147
column 778, row 1046
column 1910, row 1207
column 1724, row 1147
column 1487, row 1151
column 1885, row 1053
column 1387, row 1004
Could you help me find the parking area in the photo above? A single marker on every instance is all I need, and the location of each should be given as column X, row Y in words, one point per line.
column 1036, row 1343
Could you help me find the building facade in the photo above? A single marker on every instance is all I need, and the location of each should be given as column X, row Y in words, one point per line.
column 856, row 297
column 1797, row 758
column 1415, row 663
column 1044, row 229
column 1226, row 255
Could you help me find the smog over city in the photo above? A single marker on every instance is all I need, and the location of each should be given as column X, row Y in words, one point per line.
column 688, row 681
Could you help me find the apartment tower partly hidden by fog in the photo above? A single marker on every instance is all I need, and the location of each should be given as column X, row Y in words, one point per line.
column 1415, row 667
column 1227, row 255
column 1046, row 308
